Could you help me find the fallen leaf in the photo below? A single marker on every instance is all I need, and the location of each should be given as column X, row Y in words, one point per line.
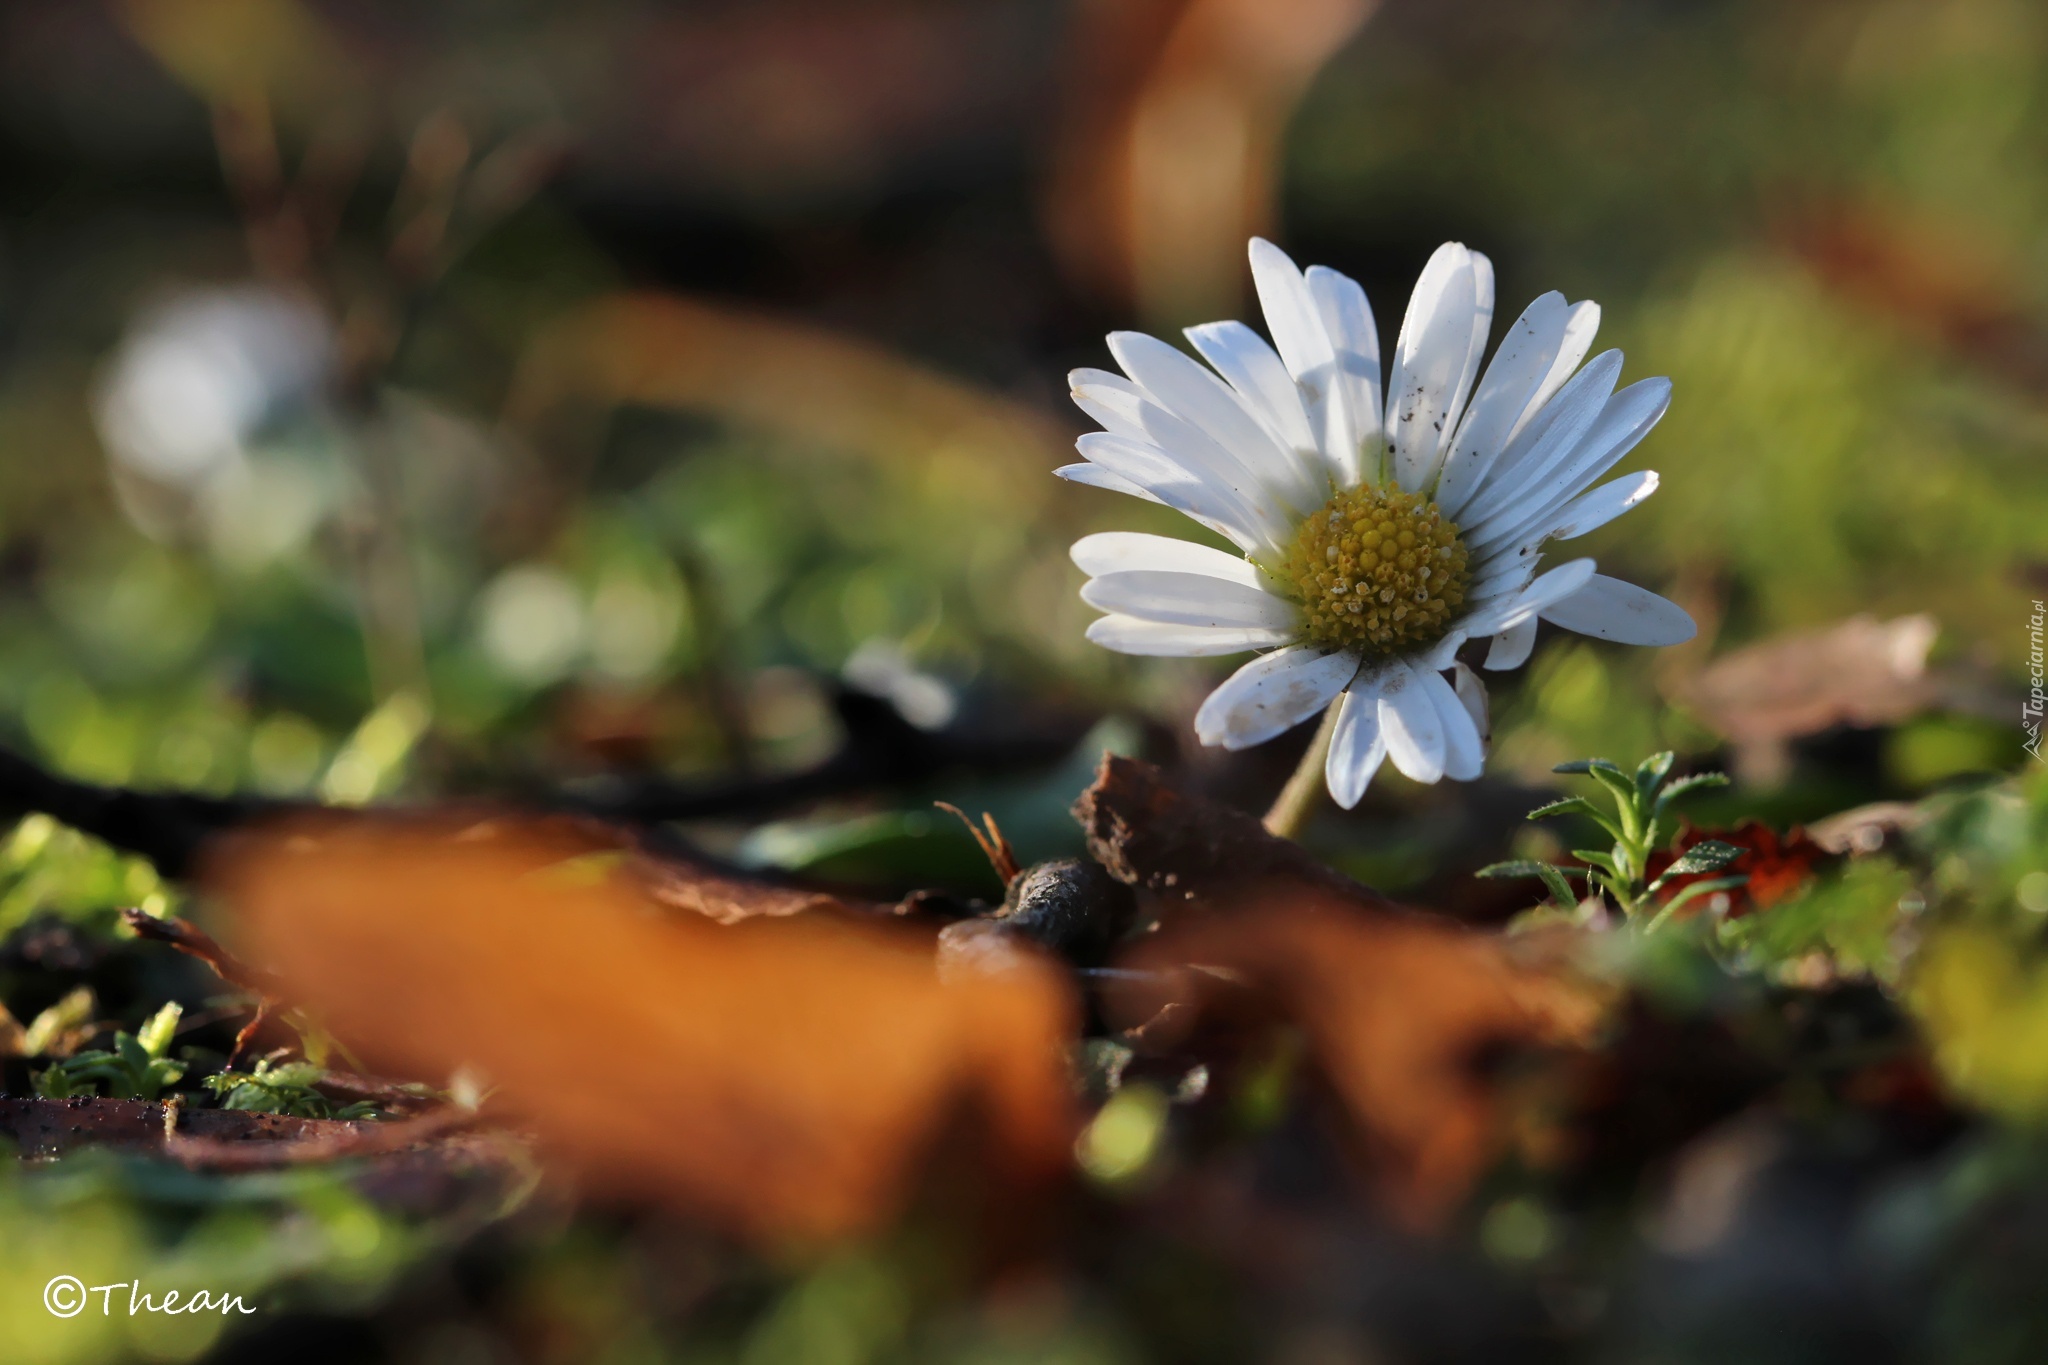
column 1861, row 671
column 1186, row 850
column 1403, row 1016
column 409, row 1165
column 782, row 1076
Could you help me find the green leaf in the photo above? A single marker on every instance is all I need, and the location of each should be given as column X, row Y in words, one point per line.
column 1572, row 805
column 1651, row 772
column 134, row 1057
column 74, row 1011
column 250, row 1098
column 1623, row 789
column 1707, row 887
column 155, row 1036
column 1560, row 889
column 1708, row 855
column 1685, row 786
column 1524, row 867
column 1593, row 857
column 1697, row 889
column 1587, row 765
column 54, row 1083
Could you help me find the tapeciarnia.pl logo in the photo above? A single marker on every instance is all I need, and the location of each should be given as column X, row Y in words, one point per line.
column 2037, row 693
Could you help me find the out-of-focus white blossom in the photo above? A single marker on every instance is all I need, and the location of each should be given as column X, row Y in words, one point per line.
column 198, row 376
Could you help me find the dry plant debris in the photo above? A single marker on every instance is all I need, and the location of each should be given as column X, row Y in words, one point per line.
column 1403, row 1011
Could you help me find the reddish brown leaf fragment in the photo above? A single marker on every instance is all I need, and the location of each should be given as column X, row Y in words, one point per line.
column 1778, row 866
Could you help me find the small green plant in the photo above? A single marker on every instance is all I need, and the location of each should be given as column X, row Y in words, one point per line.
column 275, row 1087
column 136, row 1069
column 1636, row 821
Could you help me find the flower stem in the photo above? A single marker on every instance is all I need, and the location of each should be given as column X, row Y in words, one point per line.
column 1303, row 792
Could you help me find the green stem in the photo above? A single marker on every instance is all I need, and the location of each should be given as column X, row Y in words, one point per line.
column 1303, row 792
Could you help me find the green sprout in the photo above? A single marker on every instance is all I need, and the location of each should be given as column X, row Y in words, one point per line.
column 136, row 1069
column 283, row 1088
column 1636, row 822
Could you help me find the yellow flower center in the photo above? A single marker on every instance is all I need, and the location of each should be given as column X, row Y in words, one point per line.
column 1377, row 571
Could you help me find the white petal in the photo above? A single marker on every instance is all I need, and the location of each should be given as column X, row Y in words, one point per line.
column 1443, row 653
column 1121, row 551
column 1580, row 328
column 1609, row 609
column 1545, row 443
column 1292, row 318
column 1523, row 361
column 1535, row 493
column 1355, row 337
column 1129, row 635
column 1188, row 599
column 1511, row 647
column 1415, row 735
column 1192, row 491
column 1305, row 347
column 1119, row 412
column 1464, row 758
column 1087, row 378
column 1272, row 694
column 1592, row 510
column 1134, row 415
column 1560, row 583
column 1358, row 745
column 1431, row 364
column 1250, row 366
column 1505, row 575
column 1472, row 693
column 1482, row 327
column 1179, row 384
column 1095, row 476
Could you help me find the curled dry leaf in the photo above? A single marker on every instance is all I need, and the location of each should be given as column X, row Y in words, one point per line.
column 1189, row 851
column 725, row 897
column 1861, row 671
column 1404, row 1018
column 782, row 1076
column 1402, row 1010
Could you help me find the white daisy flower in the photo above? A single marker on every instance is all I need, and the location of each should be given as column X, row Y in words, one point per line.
column 1376, row 538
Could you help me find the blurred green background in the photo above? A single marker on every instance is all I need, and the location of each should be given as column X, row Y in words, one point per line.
column 561, row 373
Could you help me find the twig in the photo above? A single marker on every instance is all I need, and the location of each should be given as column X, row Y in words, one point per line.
column 994, row 846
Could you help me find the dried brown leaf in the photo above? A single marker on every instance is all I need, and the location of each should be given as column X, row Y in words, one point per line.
column 781, row 1075
column 1404, row 1017
column 1861, row 671
column 1187, row 850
